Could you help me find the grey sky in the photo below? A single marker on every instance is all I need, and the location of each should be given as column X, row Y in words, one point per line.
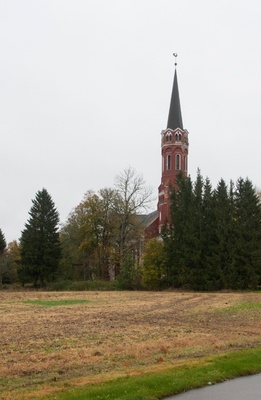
column 85, row 89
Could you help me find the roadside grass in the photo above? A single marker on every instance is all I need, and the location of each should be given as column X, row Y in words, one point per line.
column 152, row 386
column 54, row 303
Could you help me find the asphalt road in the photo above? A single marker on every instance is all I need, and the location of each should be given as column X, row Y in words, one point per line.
column 246, row 388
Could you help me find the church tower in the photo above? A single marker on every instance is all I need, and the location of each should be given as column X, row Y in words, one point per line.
column 174, row 152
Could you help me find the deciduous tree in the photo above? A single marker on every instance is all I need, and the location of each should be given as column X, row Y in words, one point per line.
column 13, row 262
column 105, row 227
column 88, row 236
column 133, row 198
column 154, row 271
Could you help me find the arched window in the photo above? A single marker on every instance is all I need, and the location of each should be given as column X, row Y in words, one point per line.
column 168, row 163
column 178, row 136
column 185, row 163
column 168, row 137
column 178, row 162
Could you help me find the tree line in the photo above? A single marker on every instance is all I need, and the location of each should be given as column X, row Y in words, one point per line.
column 212, row 242
column 214, row 239
column 99, row 234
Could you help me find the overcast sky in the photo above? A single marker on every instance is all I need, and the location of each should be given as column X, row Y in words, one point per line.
column 85, row 89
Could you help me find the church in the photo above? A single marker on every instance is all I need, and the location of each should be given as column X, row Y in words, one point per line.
column 174, row 156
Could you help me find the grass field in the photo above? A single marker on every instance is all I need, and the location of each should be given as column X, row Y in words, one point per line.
column 54, row 341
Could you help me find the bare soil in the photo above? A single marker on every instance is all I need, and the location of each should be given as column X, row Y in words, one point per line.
column 45, row 349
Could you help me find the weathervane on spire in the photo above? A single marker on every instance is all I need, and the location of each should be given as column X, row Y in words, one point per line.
column 175, row 55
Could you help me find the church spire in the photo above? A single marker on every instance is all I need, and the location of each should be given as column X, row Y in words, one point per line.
column 175, row 117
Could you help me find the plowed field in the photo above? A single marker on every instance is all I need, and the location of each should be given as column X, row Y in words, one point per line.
column 45, row 348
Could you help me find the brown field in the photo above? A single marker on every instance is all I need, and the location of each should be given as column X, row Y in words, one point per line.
column 44, row 349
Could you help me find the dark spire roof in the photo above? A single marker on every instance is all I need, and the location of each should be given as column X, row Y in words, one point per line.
column 175, row 117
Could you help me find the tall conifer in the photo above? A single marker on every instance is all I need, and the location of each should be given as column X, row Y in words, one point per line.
column 2, row 242
column 181, row 235
column 214, row 238
column 2, row 255
column 244, row 269
column 40, row 246
column 197, row 265
column 223, row 230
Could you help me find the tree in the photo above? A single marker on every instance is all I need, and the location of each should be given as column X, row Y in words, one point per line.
column 72, row 261
column 186, row 238
column 88, row 237
column 154, row 272
column 130, row 274
column 40, row 245
column 2, row 255
column 214, row 239
column 223, row 220
column 133, row 197
column 179, row 238
column 104, row 228
column 13, row 263
column 2, row 242
column 245, row 266
column 210, row 243
column 197, row 265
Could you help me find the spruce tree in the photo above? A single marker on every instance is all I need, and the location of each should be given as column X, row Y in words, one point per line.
column 223, row 202
column 2, row 255
column 245, row 266
column 40, row 246
column 2, row 242
column 210, row 244
column 214, row 238
column 180, row 238
column 197, row 267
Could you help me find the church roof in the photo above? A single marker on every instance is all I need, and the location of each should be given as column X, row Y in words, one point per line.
column 175, row 117
column 147, row 219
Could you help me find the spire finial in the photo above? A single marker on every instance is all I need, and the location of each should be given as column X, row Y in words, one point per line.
column 175, row 55
column 175, row 118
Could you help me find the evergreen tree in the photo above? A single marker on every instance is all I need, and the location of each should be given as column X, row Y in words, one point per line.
column 197, row 270
column 214, row 238
column 2, row 255
column 167, row 234
column 245, row 266
column 180, row 238
column 212, row 270
column 223, row 205
column 2, row 242
column 40, row 246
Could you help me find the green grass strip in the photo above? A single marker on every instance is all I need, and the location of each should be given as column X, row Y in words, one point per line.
column 54, row 303
column 249, row 305
column 154, row 386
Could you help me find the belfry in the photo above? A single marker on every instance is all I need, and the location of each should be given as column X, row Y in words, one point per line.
column 174, row 153
column 174, row 156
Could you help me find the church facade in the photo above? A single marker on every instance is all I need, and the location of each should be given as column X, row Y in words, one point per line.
column 174, row 160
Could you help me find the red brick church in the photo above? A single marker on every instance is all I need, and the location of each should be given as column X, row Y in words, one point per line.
column 174, row 153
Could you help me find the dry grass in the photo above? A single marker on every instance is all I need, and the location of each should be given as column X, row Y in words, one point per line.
column 43, row 349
